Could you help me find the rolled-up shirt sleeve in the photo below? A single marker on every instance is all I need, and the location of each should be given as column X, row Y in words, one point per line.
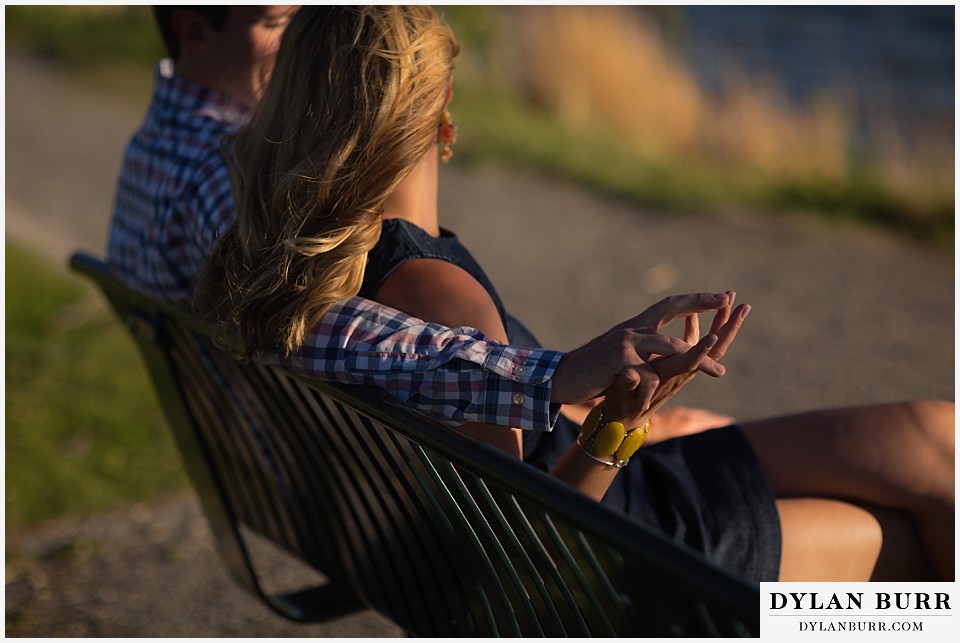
column 456, row 374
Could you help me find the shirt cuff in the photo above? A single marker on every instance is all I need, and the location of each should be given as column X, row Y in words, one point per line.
column 518, row 387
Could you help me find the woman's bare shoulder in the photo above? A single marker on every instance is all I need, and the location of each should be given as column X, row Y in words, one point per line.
column 438, row 291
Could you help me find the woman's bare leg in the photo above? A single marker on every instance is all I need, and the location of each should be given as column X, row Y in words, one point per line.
column 882, row 461
column 827, row 540
column 834, row 540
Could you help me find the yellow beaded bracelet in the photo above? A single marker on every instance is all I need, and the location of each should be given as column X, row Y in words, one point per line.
column 610, row 438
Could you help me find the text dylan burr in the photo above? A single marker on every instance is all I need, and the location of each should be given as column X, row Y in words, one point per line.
column 855, row 601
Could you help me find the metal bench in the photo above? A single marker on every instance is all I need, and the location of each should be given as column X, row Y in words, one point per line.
column 436, row 531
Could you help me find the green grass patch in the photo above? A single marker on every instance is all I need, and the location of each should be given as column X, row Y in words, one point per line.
column 85, row 35
column 108, row 49
column 84, row 431
column 500, row 129
column 497, row 128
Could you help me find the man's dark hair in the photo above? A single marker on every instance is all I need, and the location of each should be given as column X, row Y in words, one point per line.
column 216, row 15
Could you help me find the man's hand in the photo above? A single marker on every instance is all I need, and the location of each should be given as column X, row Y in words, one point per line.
column 588, row 371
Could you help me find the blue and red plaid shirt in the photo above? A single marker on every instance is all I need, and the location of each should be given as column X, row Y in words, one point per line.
column 173, row 202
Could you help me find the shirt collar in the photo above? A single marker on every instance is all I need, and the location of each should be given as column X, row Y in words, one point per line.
column 179, row 95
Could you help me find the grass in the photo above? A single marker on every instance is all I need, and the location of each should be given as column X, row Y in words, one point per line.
column 584, row 112
column 593, row 154
column 85, row 35
column 84, row 432
column 617, row 110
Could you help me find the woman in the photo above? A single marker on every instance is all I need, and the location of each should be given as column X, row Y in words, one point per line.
column 340, row 162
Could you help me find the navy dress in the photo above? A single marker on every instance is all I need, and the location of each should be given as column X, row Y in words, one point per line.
column 706, row 490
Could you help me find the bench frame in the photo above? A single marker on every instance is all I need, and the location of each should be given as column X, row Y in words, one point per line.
column 438, row 532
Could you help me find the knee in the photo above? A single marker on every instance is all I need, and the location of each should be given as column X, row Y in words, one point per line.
column 935, row 420
column 939, row 411
column 934, row 424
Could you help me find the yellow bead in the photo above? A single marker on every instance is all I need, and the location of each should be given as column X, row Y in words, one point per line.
column 631, row 443
column 591, row 422
column 609, row 438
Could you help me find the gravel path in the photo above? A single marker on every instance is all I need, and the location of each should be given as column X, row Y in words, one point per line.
column 841, row 315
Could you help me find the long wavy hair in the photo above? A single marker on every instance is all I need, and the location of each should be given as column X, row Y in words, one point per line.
column 355, row 101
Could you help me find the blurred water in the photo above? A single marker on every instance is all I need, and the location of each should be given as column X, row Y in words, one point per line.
column 886, row 61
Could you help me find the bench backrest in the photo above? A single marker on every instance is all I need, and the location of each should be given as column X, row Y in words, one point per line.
column 436, row 531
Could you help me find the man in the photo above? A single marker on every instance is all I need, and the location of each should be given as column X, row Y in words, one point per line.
column 174, row 200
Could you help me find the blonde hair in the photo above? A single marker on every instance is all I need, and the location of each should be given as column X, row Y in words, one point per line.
column 355, row 101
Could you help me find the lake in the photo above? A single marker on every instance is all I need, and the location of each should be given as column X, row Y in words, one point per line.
column 886, row 60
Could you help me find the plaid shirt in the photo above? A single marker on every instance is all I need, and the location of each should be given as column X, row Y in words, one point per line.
column 173, row 202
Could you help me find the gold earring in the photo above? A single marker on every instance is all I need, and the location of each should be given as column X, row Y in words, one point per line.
column 448, row 136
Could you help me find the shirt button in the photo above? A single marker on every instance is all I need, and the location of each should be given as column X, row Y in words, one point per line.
column 518, row 398
column 521, row 370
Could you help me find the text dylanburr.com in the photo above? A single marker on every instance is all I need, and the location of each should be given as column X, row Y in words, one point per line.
column 804, row 611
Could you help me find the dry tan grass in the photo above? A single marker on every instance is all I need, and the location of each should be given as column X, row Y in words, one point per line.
column 754, row 124
column 918, row 167
column 609, row 64
column 606, row 63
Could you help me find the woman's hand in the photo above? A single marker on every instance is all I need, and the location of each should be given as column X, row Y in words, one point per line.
column 674, row 373
column 640, row 391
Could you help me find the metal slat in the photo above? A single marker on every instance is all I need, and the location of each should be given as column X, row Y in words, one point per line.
column 211, row 429
column 478, row 618
column 361, row 537
column 438, row 564
column 477, row 556
column 296, row 458
column 270, row 465
column 594, row 593
column 418, row 598
column 552, row 601
column 514, row 599
column 405, row 604
column 501, row 510
column 336, row 527
column 611, row 599
column 230, row 433
column 572, row 617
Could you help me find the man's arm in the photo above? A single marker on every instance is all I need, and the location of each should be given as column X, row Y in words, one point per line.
column 462, row 376
column 457, row 374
